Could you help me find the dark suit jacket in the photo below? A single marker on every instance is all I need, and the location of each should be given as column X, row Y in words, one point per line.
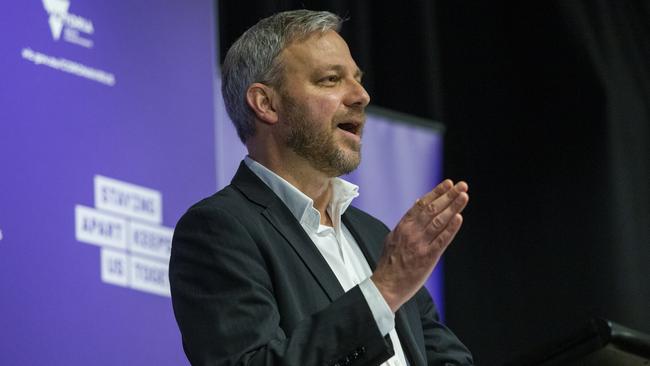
column 249, row 287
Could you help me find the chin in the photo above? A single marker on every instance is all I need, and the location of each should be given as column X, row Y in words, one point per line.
column 348, row 163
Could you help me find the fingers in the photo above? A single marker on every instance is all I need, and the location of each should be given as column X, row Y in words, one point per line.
column 436, row 211
column 424, row 201
column 442, row 240
column 441, row 211
column 440, row 189
column 444, row 216
column 445, row 187
column 437, row 214
column 441, row 203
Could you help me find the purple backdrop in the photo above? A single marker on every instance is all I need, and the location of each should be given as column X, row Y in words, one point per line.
column 106, row 137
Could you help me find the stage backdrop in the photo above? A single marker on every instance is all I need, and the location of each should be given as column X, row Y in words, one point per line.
column 107, row 135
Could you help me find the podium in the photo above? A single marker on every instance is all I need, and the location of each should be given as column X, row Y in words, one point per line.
column 599, row 343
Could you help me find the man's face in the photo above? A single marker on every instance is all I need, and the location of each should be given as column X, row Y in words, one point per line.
column 322, row 103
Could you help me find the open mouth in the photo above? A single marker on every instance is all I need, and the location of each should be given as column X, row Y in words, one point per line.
column 351, row 127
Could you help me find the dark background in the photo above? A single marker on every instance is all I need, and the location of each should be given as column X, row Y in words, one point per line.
column 547, row 107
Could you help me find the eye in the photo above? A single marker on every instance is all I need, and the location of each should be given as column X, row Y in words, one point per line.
column 330, row 79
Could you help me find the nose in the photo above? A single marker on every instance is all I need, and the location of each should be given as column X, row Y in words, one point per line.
column 357, row 95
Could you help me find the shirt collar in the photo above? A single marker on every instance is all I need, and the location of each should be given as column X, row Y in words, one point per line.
column 300, row 205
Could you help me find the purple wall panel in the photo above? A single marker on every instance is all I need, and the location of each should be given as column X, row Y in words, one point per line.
column 89, row 90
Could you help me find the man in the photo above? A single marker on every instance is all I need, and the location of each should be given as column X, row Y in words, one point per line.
column 278, row 268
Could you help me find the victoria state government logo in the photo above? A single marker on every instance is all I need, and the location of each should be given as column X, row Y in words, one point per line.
column 74, row 29
column 66, row 25
column 126, row 223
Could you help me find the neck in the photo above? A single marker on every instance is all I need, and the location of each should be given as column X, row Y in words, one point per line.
column 297, row 171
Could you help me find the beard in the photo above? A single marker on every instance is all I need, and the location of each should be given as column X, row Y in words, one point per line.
column 316, row 143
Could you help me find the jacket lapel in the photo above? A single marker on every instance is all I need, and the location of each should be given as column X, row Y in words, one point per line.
column 372, row 252
column 278, row 215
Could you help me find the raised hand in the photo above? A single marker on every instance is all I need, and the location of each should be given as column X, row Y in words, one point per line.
column 413, row 248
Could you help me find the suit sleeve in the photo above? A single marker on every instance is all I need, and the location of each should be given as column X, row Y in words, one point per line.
column 224, row 304
column 441, row 345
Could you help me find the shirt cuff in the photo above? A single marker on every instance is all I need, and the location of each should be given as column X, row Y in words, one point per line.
column 384, row 317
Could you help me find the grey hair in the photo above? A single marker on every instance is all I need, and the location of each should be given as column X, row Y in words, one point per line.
column 253, row 58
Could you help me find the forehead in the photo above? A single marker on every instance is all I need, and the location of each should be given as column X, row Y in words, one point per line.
column 318, row 51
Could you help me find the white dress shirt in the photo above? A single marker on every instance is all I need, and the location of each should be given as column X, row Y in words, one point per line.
column 337, row 245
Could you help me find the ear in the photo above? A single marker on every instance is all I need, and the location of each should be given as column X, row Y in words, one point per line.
column 260, row 98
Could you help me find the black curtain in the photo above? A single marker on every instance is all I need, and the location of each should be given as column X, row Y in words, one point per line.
column 615, row 35
column 547, row 107
column 548, row 116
